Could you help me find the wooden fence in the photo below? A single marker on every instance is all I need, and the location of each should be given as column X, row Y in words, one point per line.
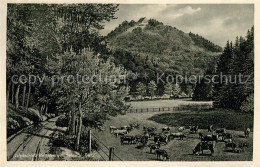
column 105, row 152
column 177, row 108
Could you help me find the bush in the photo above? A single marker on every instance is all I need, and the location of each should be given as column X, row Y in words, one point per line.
column 84, row 143
column 248, row 104
column 31, row 114
column 62, row 121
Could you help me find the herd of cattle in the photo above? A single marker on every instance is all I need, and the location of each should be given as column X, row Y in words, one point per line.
column 208, row 141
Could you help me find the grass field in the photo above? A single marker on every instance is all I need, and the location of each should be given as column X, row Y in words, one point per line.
column 219, row 118
column 179, row 150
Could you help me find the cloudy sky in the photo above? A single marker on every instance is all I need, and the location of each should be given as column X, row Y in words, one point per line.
column 217, row 23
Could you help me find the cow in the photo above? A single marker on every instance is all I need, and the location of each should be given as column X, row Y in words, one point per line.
column 163, row 153
column 177, row 135
column 166, row 129
column 134, row 126
column 230, row 145
column 211, row 128
column 128, row 139
column 112, row 128
column 100, row 128
column 154, row 146
column 162, row 138
column 120, row 132
column 181, row 129
column 203, row 146
column 243, row 144
column 209, row 138
column 200, row 135
column 246, row 132
column 194, row 129
column 220, row 131
column 227, row 136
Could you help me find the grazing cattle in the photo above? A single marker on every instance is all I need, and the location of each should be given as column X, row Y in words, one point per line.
column 237, row 150
column 112, row 128
column 242, row 145
column 128, row 139
column 181, row 129
column 220, row 131
column 246, row 132
column 230, row 145
column 154, row 146
column 100, row 128
column 166, row 129
column 162, row 138
column 163, row 153
column 209, row 138
column 211, row 128
column 120, row 132
column 177, row 135
column 138, row 138
column 203, row 146
column 144, row 140
column 226, row 136
column 194, row 129
column 200, row 135
column 134, row 126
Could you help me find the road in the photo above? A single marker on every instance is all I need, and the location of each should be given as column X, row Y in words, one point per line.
column 33, row 143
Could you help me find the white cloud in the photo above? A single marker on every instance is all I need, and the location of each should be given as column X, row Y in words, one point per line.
column 183, row 11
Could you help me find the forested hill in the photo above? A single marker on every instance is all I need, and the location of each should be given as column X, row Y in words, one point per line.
column 149, row 45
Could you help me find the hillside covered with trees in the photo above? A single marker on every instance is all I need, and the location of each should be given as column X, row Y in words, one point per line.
column 152, row 47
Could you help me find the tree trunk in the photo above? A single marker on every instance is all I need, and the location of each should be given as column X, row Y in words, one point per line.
column 72, row 123
column 24, row 92
column 17, row 96
column 8, row 92
column 79, row 127
column 28, row 98
column 46, row 109
column 12, row 100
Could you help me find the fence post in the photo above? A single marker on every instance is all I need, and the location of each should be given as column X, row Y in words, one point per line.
column 159, row 108
column 147, row 109
column 111, row 153
column 89, row 140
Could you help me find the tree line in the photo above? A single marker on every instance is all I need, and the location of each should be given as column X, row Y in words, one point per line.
column 62, row 40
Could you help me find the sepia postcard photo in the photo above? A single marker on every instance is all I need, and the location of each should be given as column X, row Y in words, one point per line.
column 159, row 82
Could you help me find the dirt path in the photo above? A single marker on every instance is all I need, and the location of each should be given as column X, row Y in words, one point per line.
column 32, row 143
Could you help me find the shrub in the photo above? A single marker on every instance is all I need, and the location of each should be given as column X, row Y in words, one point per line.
column 62, row 121
column 84, row 143
column 248, row 104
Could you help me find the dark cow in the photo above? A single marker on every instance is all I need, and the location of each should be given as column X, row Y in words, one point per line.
column 220, row 131
column 227, row 136
column 163, row 153
column 128, row 139
column 203, row 146
column 154, row 146
column 144, row 140
column 209, row 138
column 200, row 135
column 194, row 129
column 247, row 132
column 162, row 138
column 230, row 145
column 166, row 129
